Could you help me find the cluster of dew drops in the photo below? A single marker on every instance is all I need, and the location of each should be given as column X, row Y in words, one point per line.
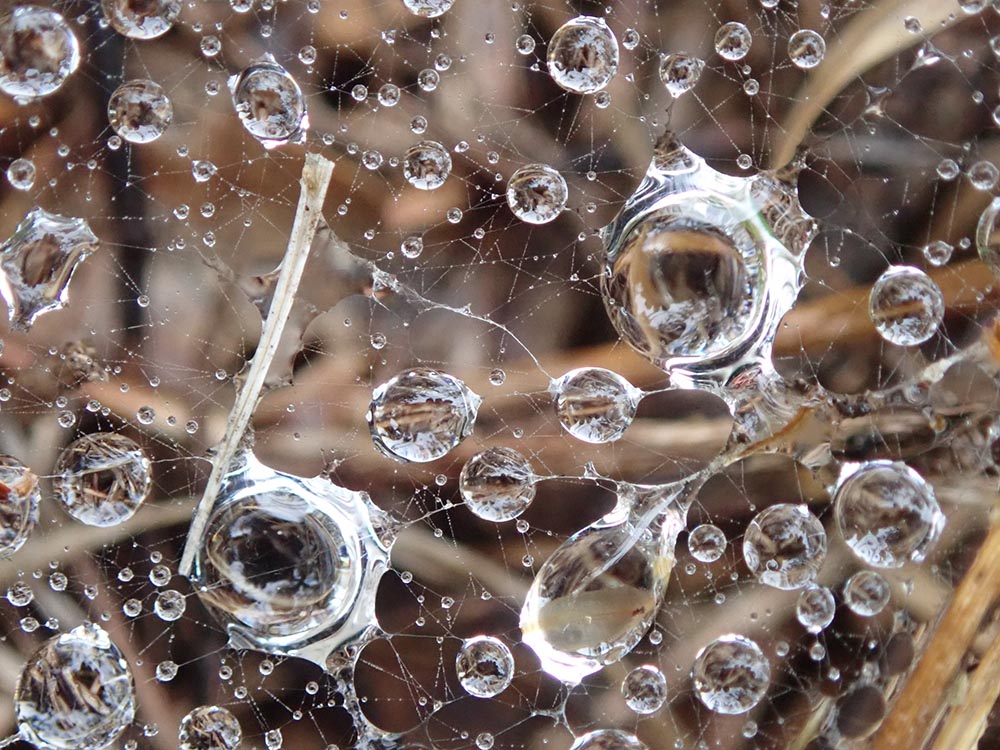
column 886, row 512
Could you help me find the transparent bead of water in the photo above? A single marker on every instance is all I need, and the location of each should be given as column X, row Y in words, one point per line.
column 141, row 19
column 211, row 727
column 412, row 247
column 75, row 692
column 583, row 55
column 38, row 52
column 731, row 675
column 290, row 564
column 140, row 111
column 426, row 165
column 166, row 671
column 984, row 175
column 645, row 689
column 428, row 8
column 484, row 741
column 421, row 414
column 273, row 739
column 38, row 262
column 938, row 253
column 20, row 594
column 608, row 739
column 19, row 498
column 170, row 605
column 815, row 608
column 537, row 193
column 203, row 170
column 270, row 103
column 732, row 41
column 497, row 484
column 866, row 593
column 680, row 72
column 631, row 39
column 887, row 514
column 485, row 666
column 988, row 236
column 525, row 44
column 388, row 95
column 706, row 543
column 784, row 546
column 806, row 49
column 906, row 306
column 593, row 404
column 21, row 174
column 102, row 479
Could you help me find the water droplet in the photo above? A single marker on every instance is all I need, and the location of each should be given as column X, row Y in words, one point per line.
column 270, row 103
column 166, row 671
column 20, row 594
column 680, row 72
column 139, row 111
column 484, row 741
column 38, row 262
column 815, row 608
column 706, row 543
column 291, row 564
column 497, row 484
column 485, row 666
column 203, row 170
column 887, row 514
column 938, row 253
column 806, row 49
column 388, row 95
column 983, row 175
column 608, row 739
column 21, row 174
column 169, row 605
column 583, row 55
column 19, row 497
column 525, row 44
column 731, row 674
column 593, row 404
column 75, row 692
column 147, row 19
column 273, row 739
column 412, row 247
column 645, row 689
column 784, row 546
column 906, row 306
column 102, row 479
column 631, row 39
column 866, row 593
column 537, row 193
column 421, row 414
column 38, row 52
column 732, row 41
column 426, row 165
column 988, row 236
column 428, row 8
column 145, row 415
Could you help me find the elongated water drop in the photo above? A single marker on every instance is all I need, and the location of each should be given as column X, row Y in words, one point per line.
column 731, row 674
column 75, row 692
column 583, row 55
column 19, row 496
column 38, row 262
column 38, row 52
column 270, row 103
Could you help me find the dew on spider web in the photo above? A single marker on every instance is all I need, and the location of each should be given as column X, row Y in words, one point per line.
column 38, row 52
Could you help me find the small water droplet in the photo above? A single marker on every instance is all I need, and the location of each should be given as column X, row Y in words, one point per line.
column 645, row 689
column 497, row 484
column 210, row 728
column 537, row 193
column 680, row 72
column 426, row 165
column 485, row 666
column 866, row 593
column 583, row 55
column 731, row 675
column 139, row 111
column 706, row 543
column 806, row 49
column 593, row 404
column 732, row 41
column 784, row 546
column 141, row 20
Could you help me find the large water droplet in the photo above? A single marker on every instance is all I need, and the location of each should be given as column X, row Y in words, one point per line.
column 593, row 404
column 38, row 262
column 784, row 546
column 608, row 739
column 141, row 19
column 21, row 174
column 426, row 165
column 290, row 564
column 270, row 103
column 732, row 41
column 428, row 8
column 209, row 728
column 887, row 513
column 645, row 689
column 19, row 496
column 485, row 666
column 497, row 484
column 680, row 72
column 815, row 608
column 537, row 194
column 706, row 543
column 102, row 479
column 75, row 692
column 583, row 55
column 38, row 52
column 866, row 593
column 906, row 306
column 421, row 414
column 806, row 49
column 139, row 111
column 731, row 674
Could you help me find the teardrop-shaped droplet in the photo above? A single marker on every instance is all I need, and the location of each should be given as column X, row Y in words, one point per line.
column 497, row 484
column 38, row 52
column 426, row 165
column 102, row 479
column 75, row 693
column 485, row 666
column 731, row 675
column 680, row 72
column 887, row 513
column 583, row 55
column 593, row 404
column 141, row 19
column 421, row 414
column 270, row 103
column 38, row 262
column 906, row 306
column 19, row 496
column 209, row 728
column 140, row 111
column 537, row 194
column 784, row 546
